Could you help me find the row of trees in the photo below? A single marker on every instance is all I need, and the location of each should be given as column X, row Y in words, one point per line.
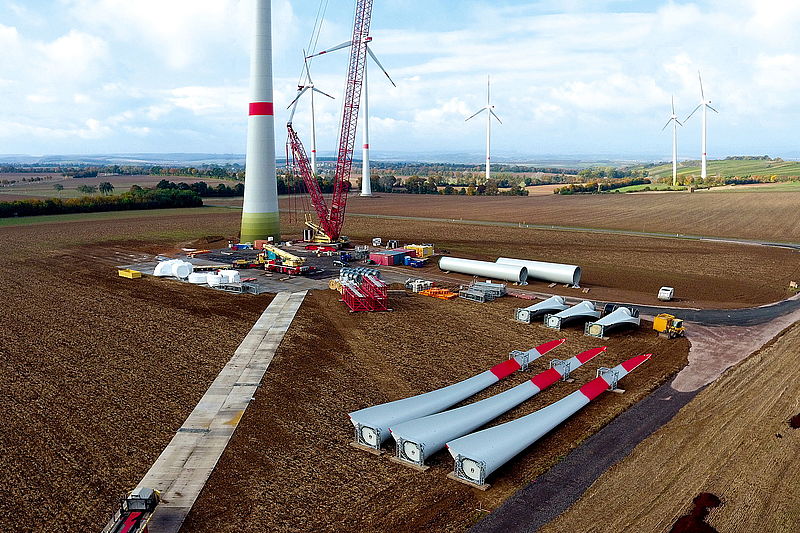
column 600, row 186
column 201, row 188
column 136, row 198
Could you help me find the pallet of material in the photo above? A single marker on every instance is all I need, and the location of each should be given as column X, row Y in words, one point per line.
column 442, row 294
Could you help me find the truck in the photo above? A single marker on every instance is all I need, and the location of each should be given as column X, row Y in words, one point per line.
column 134, row 512
column 669, row 326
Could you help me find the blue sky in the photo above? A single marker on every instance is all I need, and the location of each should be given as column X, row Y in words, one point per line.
column 568, row 77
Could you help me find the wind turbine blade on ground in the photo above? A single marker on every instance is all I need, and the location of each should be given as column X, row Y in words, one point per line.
column 495, row 116
column 692, row 113
column 337, row 47
column 476, row 114
column 375, row 59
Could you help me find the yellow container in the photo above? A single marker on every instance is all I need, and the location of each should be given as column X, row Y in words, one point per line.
column 423, row 250
column 129, row 273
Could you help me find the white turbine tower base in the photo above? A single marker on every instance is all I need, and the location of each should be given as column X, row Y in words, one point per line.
column 260, row 217
column 489, row 108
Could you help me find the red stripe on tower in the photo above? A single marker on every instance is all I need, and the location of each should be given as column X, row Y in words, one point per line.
column 366, row 146
column 261, row 108
column 506, row 368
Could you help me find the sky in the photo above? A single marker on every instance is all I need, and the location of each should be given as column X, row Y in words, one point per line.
column 568, row 77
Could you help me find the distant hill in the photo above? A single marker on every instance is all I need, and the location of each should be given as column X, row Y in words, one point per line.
column 728, row 168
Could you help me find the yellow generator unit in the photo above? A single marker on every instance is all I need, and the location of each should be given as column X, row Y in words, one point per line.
column 668, row 326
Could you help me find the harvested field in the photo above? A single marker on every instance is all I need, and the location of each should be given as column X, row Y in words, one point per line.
column 289, row 466
column 747, row 215
column 98, row 371
column 733, row 440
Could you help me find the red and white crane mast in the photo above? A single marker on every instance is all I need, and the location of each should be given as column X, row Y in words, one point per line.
column 331, row 220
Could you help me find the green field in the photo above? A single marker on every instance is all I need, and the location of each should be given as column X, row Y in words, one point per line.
column 730, row 168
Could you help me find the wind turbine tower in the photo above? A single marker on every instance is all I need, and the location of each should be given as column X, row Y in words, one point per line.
column 489, row 108
column 675, row 123
column 301, row 90
column 366, row 185
column 704, row 104
column 260, row 216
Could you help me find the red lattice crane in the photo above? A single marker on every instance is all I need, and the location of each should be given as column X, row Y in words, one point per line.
column 331, row 219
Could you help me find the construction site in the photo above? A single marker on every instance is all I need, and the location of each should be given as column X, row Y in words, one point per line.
column 275, row 370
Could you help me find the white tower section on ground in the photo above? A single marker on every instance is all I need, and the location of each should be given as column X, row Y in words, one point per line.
column 260, row 217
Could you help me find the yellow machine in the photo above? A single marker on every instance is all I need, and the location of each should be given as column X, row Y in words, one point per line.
column 273, row 252
column 319, row 236
column 668, row 326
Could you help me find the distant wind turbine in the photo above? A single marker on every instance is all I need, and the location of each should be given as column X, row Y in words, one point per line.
column 366, row 185
column 675, row 123
column 301, row 90
column 489, row 108
column 704, row 104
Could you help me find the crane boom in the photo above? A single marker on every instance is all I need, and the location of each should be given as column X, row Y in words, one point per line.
column 331, row 220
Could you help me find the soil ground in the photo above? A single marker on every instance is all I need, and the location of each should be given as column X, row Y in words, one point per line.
column 618, row 268
column 747, row 215
column 733, row 440
column 289, row 466
column 98, row 371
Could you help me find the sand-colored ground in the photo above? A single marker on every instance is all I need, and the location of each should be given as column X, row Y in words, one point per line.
column 732, row 440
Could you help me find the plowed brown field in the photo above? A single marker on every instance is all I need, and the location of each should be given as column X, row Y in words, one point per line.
column 732, row 440
column 289, row 466
column 747, row 215
column 99, row 371
column 96, row 371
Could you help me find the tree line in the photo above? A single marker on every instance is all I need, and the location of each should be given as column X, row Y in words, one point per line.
column 136, row 198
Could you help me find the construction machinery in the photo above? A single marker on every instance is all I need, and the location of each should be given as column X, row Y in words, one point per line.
column 275, row 259
column 669, row 326
column 135, row 511
column 330, row 220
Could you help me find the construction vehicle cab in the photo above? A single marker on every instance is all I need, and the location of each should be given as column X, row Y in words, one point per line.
column 142, row 499
column 669, row 326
